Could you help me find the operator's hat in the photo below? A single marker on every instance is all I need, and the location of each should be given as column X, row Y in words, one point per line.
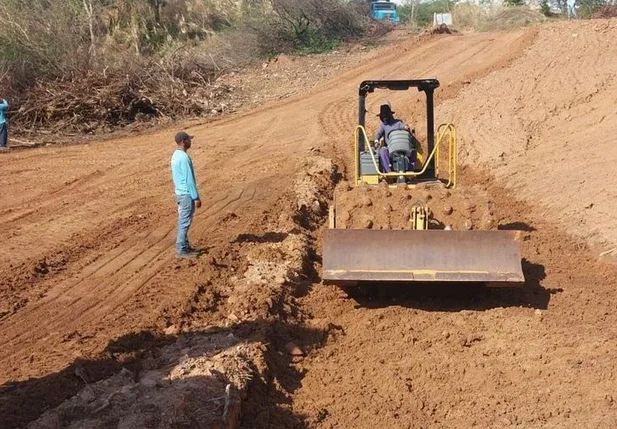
column 182, row 136
column 385, row 109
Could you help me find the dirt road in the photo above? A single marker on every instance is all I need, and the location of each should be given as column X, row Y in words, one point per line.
column 87, row 256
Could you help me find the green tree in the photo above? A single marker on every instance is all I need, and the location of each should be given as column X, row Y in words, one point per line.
column 421, row 13
column 406, row 11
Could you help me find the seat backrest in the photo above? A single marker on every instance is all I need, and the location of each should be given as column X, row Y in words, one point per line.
column 399, row 141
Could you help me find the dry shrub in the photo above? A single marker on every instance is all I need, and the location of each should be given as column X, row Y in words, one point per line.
column 309, row 25
column 40, row 40
column 514, row 17
column 608, row 11
column 470, row 16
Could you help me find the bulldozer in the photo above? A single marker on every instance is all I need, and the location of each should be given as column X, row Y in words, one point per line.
column 423, row 252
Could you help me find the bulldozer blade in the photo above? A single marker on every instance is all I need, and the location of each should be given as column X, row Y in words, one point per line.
column 363, row 255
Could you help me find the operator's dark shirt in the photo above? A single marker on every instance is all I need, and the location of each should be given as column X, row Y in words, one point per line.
column 385, row 129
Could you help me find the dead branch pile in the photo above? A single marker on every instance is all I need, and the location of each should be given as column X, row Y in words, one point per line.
column 98, row 101
column 436, row 30
column 441, row 29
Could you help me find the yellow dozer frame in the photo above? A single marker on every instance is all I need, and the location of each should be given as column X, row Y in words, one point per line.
column 351, row 256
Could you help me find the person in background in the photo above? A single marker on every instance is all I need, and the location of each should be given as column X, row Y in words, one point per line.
column 4, row 133
column 187, row 197
column 572, row 9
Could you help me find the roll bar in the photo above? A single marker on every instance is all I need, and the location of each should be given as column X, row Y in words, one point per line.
column 427, row 86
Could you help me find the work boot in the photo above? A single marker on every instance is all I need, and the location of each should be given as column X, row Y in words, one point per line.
column 187, row 255
column 197, row 250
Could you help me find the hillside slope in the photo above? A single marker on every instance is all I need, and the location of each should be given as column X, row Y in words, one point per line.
column 546, row 126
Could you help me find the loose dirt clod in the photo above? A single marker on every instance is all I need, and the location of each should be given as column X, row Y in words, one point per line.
column 293, row 349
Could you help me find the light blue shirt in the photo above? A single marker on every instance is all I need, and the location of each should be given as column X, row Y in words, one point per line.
column 4, row 105
column 183, row 175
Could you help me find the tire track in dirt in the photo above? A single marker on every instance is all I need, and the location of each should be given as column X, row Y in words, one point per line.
column 122, row 257
column 338, row 115
column 58, row 207
column 107, row 285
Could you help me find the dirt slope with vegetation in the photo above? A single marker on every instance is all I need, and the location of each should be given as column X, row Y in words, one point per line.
column 87, row 268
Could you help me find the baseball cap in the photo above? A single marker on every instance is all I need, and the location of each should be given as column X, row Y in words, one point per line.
column 181, row 136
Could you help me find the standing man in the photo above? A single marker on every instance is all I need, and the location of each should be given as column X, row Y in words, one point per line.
column 572, row 9
column 4, row 133
column 187, row 197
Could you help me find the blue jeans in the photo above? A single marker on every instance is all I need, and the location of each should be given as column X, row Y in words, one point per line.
column 4, row 135
column 186, row 209
column 572, row 12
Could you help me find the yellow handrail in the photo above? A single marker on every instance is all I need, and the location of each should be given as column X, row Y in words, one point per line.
column 406, row 174
column 450, row 131
column 442, row 130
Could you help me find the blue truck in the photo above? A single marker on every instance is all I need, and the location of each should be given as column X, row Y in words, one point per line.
column 384, row 10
